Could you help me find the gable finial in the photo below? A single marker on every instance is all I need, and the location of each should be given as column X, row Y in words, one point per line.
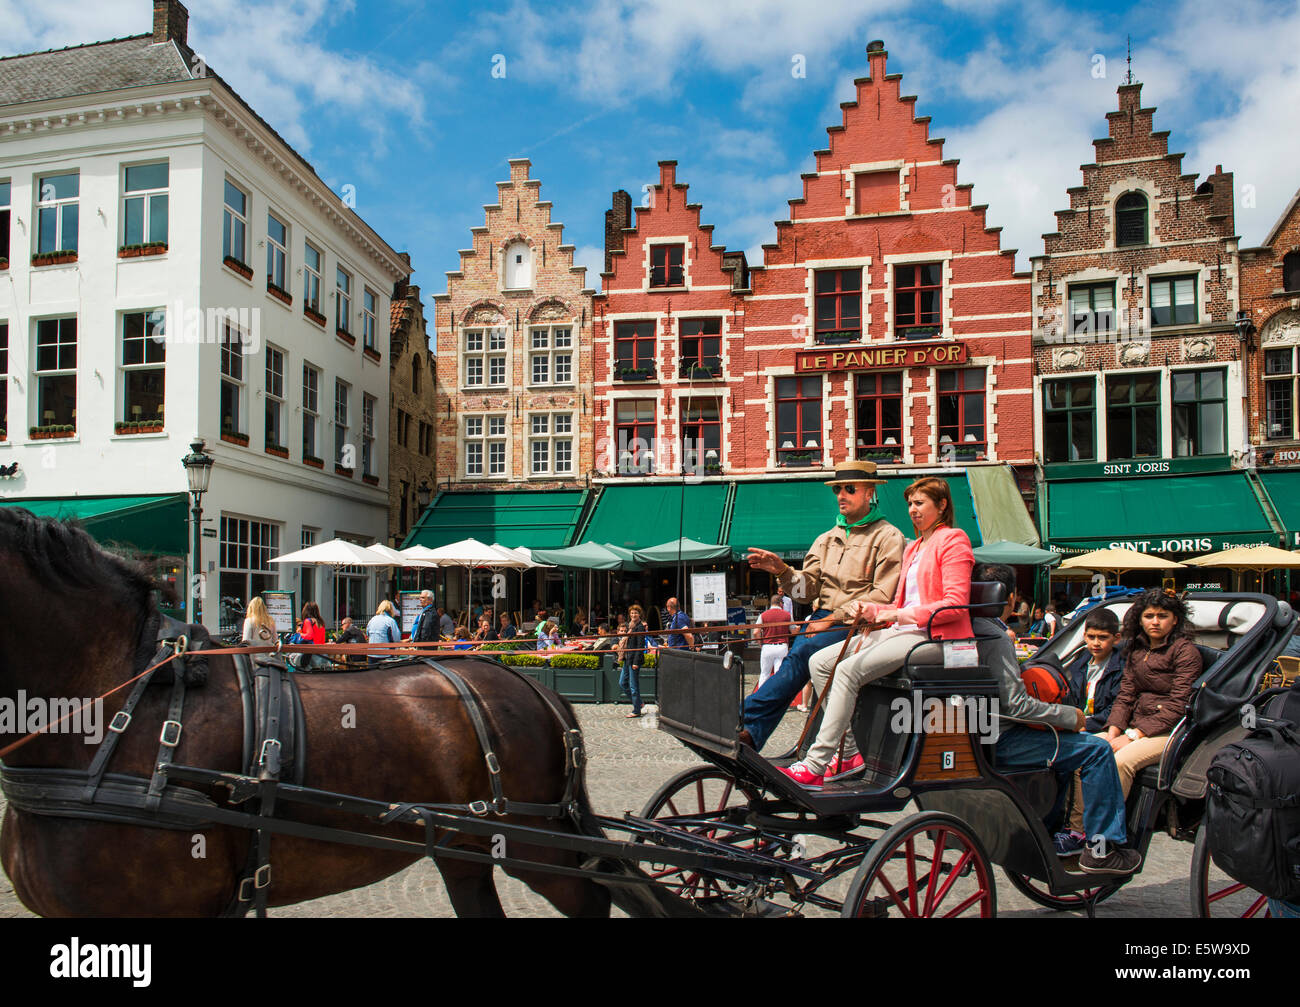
column 1128, row 77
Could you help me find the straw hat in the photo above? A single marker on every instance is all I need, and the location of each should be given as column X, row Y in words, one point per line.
column 855, row 472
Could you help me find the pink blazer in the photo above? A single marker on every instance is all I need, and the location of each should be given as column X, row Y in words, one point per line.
column 943, row 578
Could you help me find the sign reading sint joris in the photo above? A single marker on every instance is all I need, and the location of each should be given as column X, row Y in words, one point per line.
column 876, row 357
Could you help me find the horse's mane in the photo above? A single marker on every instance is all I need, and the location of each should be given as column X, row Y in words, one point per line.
column 64, row 556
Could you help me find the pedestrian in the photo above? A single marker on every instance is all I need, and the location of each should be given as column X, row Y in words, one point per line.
column 462, row 639
column 507, row 631
column 485, row 634
column 774, row 632
column 787, row 602
column 446, row 624
column 382, row 627
column 313, row 626
column 678, row 623
column 425, row 629
column 349, row 633
column 633, row 659
column 259, row 627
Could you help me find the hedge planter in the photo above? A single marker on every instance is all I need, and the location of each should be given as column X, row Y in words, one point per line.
column 316, row 463
column 138, row 427
column 314, row 315
column 52, row 432
column 140, row 251
column 275, row 449
column 279, row 293
column 372, row 353
column 347, row 337
column 53, row 258
column 339, row 470
column 792, row 461
column 243, row 269
column 230, row 437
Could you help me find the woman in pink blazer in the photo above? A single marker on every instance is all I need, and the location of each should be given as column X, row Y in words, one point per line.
column 936, row 573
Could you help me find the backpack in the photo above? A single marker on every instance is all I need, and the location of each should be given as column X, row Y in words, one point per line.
column 1252, row 810
column 1045, row 678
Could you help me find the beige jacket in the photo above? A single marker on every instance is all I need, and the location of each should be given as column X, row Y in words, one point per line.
column 862, row 565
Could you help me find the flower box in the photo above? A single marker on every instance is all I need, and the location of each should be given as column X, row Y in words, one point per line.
column 370, row 480
column 316, row 463
column 634, row 373
column 277, row 450
column 232, row 437
column 139, row 427
column 339, row 470
column 712, row 469
column 4, row 263
column 279, row 293
column 346, row 336
column 836, row 338
column 885, row 457
column 52, row 431
column 4, row 435
column 139, row 251
column 701, row 372
column 796, row 459
column 53, row 258
column 243, row 269
column 921, row 332
column 314, row 315
column 372, row 353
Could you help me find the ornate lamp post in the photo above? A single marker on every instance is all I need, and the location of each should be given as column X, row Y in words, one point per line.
column 198, row 471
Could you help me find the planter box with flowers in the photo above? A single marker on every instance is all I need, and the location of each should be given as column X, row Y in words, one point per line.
column 53, row 258
column 634, row 373
column 140, row 251
column 370, row 480
column 51, row 431
column 692, row 371
column 234, row 437
column 139, row 427
column 346, row 336
column 279, row 293
column 314, row 315
column 837, row 338
column 881, row 456
column 277, row 450
column 4, row 263
column 234, row 265
column 316, row 463
column 372, row 353
column 339, row 470
column 796, row 459
column 713, row 468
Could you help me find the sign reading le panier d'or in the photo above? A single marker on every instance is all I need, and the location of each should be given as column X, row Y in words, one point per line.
column 872, row 357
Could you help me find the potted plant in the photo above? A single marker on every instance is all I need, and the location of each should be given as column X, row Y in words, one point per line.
column 243, row 269
column 314, row 315
column 279, row 293
column 138, row 427
column 834, row 338
column 232, row 436
column 313, row 461
column 146, row 248
column 694, row 371
column 793, row 459
column 279, row 450
column 4, row 263
column 578, row 677
column 340, row 470
column 713, row 468
column 634, row 373
column 54, row 258
column 51, row 431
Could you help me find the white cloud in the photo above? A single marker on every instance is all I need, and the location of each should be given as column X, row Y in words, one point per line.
column 594, row 259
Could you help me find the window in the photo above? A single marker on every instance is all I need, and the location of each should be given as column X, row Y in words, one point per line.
column 876, row 191
column 1070, row 420
column 918, row 304
column 4, row 380
column 56, row 213
column 701, row 349
column 56, row 372
column 484, row 357
column 144, row 352
column 634, row 350
column 1131, row 219
column 144, row 205
column 1092, row 308
column 485, row 441
column 701, row 435
column 838, row 307
column 311, row 276
column 343, row 300
column 634, row 433
column 879, row 402
column 550, row 356
column 247, row 548
column 1290, row 261
column 666, row 265
column 1279, row 394
column 368, row 301
column 277, row 251
column 550, row 443
column 426, row 437
column 1200, row 412
column 343, row 451
column 275, row 398
column 310, row 410
column 232, row 381
column 234, row 224
column 368, row 435
column 307, row 574
column 961, row 413
column 1173, row 300
column 401, row 428
column 1133, row 416
column 415, row 375
column 798, row 420
column 4, row 224
column 518, row 266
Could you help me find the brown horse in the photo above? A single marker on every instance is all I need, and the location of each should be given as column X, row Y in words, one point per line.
column 79, row 621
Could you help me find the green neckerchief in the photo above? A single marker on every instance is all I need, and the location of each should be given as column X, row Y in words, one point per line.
column 871, row 515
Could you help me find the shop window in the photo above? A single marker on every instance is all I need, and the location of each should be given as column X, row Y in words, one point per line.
column 961, row 415
column 1070, row 420
column 247, row 548
column 878, row 400
column 1200, row 412
column 1133, row 416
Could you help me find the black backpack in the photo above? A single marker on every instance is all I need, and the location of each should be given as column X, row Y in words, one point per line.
column 1252, row 810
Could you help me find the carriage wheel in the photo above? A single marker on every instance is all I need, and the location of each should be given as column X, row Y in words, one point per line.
column 928, row 865
column 1038, row 891
column 705, row 793
column 1214, row 894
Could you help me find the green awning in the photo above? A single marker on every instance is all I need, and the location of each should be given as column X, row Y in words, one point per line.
column 637, row 517
column 1173, row 514
column 999, row 507
column 152, row 525
column 537, row 519
column 1283, row 489
column 1015, row 554
column 587, row 556
column 682, row 550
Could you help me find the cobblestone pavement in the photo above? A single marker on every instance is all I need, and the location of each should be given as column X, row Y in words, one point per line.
column 629, row 761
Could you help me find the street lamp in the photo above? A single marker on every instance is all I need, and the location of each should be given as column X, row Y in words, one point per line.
column 423, row 494
column 198, row 471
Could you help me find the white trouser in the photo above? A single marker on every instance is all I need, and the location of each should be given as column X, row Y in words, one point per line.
column 770, row 658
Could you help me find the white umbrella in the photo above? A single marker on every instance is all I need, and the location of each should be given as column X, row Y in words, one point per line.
column 396, row 558
column 335, row 553
column 470, row 553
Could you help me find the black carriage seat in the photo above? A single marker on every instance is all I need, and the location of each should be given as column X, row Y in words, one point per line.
column 987, row 599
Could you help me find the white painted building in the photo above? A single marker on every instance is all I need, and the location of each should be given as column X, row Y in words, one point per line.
column 209, row 283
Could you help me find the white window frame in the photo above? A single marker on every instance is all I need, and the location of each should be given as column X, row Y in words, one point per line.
column 369, row 309
column 311, row 277
column 277, row 253
column 489, row 433
column 544, row 346
column 342, row 397
column 551, row 438
column 492, row 349
column 258, row 555
column 60, row 370
column 311, row 408
column 147, row 199
column 368, row 435
column 232, row 353
column 59, row 206
column 342, row 300
column 234, row 221
column 275, row 399
column 153, row 322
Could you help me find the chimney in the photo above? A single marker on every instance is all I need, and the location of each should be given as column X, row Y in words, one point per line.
column 617, row 219
column 170, row 21
column 876, row 57
column 1221, row 200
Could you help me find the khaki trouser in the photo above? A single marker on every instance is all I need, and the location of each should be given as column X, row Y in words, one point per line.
column 1129, row 761
column 882, row 652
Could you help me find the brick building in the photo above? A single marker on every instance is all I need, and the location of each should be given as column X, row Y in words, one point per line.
column 1141, row 383
column 412, row 414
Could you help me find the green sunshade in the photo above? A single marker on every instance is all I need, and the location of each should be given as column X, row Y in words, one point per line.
column 154, row 525
column 683, row 550
column 999, row 507
column 1015, row 554
column 1189, row 513
column 537, row 519
column 1283, row 490
column 636, row 517
column 587, row 556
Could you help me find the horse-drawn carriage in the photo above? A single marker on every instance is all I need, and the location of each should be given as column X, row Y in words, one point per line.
column 357, row 774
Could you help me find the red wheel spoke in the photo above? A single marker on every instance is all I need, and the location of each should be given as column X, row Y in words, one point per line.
column 673, row 808
column 1230, row 890
column 893, row 895
column 967, row 903
column 953, row 875
column 940, row 842
column 699, row 794
column 726, row 794
column 1260, row 903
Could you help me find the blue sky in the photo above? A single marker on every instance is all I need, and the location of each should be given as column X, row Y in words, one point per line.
column 399, row 99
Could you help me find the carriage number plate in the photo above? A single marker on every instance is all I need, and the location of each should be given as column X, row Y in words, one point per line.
column 960, row 654
column 948, row 760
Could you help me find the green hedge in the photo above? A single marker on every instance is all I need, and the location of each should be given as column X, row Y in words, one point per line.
column 590, row 661
column 523, row 660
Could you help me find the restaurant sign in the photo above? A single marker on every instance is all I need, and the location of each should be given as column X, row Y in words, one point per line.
column 867, row 358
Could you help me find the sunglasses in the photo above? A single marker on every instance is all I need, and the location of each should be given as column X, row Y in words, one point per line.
column 850, row 489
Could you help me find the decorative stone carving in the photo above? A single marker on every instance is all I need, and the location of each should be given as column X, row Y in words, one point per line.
column 484, row 316
column 1198, row 348
column 1284, row 327
column 1067, row 358
column 550, row 311
column 1134, row 354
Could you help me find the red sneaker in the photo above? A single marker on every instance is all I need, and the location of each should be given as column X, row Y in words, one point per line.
column 852, row 767
column 803, row 776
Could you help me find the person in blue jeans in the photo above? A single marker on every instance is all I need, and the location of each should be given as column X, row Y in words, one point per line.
column 857, row 560
column 633, row 655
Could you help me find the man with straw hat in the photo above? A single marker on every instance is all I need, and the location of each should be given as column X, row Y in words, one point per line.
column 857, row 560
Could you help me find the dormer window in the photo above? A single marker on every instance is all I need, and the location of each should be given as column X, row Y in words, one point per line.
column 1131, row 219
column 519, row 266
column 666, row 265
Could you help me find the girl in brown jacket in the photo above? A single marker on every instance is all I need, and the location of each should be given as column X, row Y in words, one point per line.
column 1161, row 671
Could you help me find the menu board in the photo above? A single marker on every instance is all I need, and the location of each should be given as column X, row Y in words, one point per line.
column 708, row 597
column 279, row 604
column 409, row 602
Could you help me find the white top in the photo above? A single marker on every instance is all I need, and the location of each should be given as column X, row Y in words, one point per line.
column 258, row 636
column 911, row 593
